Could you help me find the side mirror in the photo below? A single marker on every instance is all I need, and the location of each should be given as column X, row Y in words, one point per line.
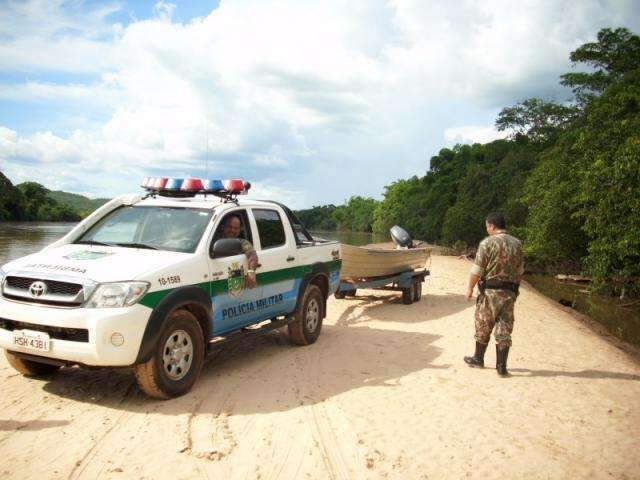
column 226, row 247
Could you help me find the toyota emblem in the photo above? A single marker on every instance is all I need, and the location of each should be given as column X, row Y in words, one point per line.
column 37, row 289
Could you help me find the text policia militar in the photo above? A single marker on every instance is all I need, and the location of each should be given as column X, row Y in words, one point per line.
column 248, row 307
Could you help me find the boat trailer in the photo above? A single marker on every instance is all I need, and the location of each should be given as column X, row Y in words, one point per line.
column 409, row 283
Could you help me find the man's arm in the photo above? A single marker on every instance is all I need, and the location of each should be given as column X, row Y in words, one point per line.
column 252, row 261
column 473, row 281
column 477, row 270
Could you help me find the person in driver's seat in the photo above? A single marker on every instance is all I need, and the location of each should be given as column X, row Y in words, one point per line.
column 231, row 228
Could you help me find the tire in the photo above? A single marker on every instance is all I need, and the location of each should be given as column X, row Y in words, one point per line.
column 339, row 295
column 351, row 293
column 29, row 367
column 177, row 358
column 305, row 329
column 408, row 294
column 417, row 290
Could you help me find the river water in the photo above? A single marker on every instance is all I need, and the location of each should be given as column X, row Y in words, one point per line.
column 22, row 238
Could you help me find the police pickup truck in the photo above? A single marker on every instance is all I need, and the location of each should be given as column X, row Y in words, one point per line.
column 149, row 282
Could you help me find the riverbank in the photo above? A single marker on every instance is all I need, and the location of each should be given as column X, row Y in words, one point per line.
column 384, row 393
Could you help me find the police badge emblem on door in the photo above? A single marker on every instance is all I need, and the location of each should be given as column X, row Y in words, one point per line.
column 235, row 282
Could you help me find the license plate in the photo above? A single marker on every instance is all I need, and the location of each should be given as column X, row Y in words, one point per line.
column 31, row 340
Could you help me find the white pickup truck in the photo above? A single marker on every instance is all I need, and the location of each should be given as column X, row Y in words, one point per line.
column 148, row 282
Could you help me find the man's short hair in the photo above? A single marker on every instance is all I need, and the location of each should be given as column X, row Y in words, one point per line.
column 497, row 220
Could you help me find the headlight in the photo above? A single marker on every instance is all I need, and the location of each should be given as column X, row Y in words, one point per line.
column 120, row 294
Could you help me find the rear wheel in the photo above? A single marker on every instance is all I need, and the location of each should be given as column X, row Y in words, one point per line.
column 417, row 290
column 177, row 359
column 30, row 367
column 351, row 293
column 339, row 294
column 408, row 294
column 305, row 329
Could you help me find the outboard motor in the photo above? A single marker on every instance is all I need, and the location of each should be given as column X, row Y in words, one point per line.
column 401, row 237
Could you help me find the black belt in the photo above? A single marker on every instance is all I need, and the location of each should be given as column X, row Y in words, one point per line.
column 494, row 284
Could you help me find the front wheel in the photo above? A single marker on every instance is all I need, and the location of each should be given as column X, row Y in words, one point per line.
column 177, row 359
column 29, row 367
column 305, row 328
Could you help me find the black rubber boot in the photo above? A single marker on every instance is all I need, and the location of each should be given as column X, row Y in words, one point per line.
column 478, row 358
column 501, row 360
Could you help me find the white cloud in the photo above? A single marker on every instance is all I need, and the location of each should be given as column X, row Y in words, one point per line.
column 314, row 100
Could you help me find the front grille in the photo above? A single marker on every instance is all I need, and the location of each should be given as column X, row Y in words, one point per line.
column 53, row 303
column 59, row 333
column 53, row 286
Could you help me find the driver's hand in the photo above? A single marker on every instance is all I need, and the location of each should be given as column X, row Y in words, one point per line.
column 250, row 280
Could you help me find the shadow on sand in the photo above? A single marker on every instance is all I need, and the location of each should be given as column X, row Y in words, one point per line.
column 384, row 306
column 31, row 426
column 266, row 374
column 595, row 374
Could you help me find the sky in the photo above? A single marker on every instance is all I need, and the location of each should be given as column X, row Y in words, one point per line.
column 312, row 102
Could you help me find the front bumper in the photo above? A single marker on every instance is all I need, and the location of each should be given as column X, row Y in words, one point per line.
column 101, row 324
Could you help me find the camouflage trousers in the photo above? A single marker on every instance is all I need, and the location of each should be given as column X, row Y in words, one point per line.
column 494, row 308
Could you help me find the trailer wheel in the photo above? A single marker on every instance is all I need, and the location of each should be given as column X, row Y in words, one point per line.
column 177, row 358
column 29, row 367
column 305, row 329
column 408, row 294
column 417, row 290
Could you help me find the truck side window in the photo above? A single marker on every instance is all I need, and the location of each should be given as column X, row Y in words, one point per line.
column 270, row 228
column 245, row 229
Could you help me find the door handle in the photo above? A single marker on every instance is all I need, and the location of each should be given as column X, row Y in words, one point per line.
column 290, row 259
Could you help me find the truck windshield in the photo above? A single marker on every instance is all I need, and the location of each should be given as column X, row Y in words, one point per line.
column 156, row 228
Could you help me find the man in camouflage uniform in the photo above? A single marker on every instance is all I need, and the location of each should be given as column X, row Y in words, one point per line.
column 497, row 270
column 231, row 229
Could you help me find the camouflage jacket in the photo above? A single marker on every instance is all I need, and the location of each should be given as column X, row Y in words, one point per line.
column 499, row 257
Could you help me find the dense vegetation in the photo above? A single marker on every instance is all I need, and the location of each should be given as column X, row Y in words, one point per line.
column 355, row 215
column 567, row 178
column 30, row 201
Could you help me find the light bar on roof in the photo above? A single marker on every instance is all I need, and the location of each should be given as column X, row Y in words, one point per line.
column 191, row 186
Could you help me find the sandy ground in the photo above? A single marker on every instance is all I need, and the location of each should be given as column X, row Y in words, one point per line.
column 384, row 393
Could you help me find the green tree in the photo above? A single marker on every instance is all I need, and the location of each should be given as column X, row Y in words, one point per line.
column 614, row 54
column 11, row 200
column 608, row 147
column 536, row 119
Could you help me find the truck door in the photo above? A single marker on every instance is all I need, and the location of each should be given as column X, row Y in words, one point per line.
column 234, row 303
column 279, row 275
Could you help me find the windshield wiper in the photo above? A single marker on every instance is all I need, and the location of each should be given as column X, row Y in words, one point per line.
column 137, row 245
column 95, row 242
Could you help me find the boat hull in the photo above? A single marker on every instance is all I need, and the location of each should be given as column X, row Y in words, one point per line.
column 366, row 262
